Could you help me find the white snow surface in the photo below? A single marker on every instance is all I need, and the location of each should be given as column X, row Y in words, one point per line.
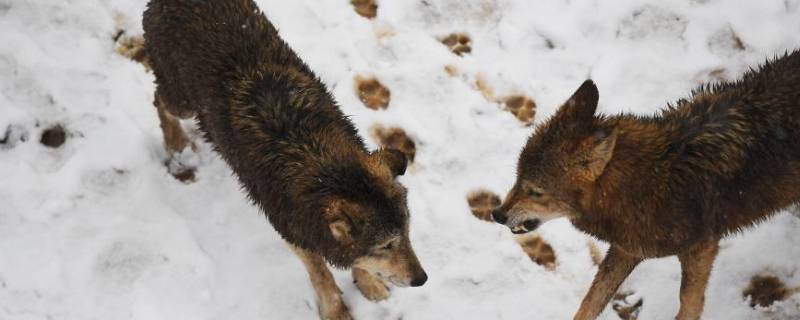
column 97, row 229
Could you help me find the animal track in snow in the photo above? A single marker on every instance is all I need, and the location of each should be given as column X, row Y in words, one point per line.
column 766, row 289
column 372, row 93
column 458, row 43
column 482, row 202
column 54, row 136
column 365, row 8
column 395, row 138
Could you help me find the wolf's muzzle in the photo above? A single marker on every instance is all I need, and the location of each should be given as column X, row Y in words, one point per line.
column 517, row 226
column 499, row 216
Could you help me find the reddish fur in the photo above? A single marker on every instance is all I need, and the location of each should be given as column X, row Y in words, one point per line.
column 671, row 184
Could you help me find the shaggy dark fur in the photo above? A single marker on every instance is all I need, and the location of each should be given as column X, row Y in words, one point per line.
column 273, row 121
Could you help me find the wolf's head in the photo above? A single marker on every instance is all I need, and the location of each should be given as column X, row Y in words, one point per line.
column 559, row 165
column 368, row 218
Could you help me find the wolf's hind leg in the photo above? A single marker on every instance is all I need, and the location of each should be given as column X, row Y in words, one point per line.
column 175, row 141
column 696, row 267
column 331, row 306
column 615, row 268
column 373, row 288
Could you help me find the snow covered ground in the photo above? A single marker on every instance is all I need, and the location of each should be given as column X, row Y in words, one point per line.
column 97, row 229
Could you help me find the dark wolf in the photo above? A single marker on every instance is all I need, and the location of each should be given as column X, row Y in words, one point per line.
column 280, row 130
column 713, row 164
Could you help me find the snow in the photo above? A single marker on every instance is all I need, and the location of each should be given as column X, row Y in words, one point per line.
column 97, row 229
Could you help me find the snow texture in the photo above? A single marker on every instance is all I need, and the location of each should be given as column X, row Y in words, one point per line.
column 97, row 228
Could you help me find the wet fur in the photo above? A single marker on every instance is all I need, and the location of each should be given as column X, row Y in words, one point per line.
column 674, row 183
column 270, row 118
column 715, row 163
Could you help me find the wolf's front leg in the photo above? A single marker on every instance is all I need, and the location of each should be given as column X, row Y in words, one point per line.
column 614, row 269
column 331, row 306
column 696, row 265
column 370, row 286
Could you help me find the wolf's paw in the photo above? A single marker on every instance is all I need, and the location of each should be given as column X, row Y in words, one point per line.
column 183, row 165
column 482, row 202
column 373, row 93
column 627, row 305
column 458, row 43
column 365, row 8
column 371, row 287
column 394, row 138
column 186, row 175
column 334, row 311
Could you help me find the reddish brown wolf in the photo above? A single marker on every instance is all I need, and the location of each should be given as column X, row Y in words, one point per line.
column 299, row 158
column 673, row 184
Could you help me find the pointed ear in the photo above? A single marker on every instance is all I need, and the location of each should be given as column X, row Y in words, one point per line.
column 597, row 151
column 341, row 231
column 344, row 220
column 390, row 159
column 583, row 103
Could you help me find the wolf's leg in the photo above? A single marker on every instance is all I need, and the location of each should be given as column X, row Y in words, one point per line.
column 615, row 268
column 370, row 286
column 175, row 140
column 696, row 265
column 331, row 306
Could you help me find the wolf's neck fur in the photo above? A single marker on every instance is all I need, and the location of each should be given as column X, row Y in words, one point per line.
column 635, row 178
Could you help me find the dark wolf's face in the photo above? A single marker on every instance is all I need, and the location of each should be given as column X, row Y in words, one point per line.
column 559, row 165
column 376, row 225
column 393, row 260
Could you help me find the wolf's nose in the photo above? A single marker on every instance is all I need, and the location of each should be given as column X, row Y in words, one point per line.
column 499, row 217
column 420, row 280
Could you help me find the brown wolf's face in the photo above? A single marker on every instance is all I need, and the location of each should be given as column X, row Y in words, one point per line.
column 374, row 224
column 558, row 166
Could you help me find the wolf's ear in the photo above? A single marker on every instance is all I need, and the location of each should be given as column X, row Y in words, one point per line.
column 583, row 103
column 594, row 153
column 341, row 232
column 344, row 220
column 390, row 159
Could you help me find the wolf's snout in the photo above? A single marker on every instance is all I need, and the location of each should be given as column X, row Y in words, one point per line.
column 419, row 280
column 499, row 216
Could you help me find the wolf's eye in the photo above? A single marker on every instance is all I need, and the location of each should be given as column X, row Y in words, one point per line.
column 534, row 194
column 388, row 246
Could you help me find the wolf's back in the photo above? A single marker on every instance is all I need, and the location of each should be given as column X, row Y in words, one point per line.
column 726, row 125
column 202, row 48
